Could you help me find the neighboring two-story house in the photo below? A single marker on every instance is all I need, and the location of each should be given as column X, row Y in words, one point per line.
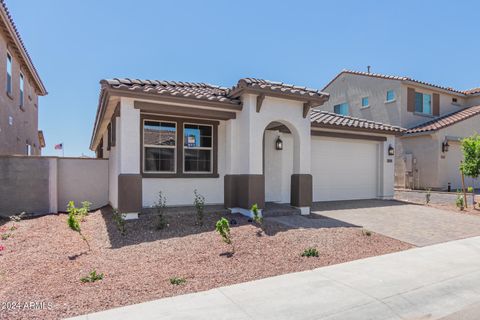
column 428, row 154
column 20, row 86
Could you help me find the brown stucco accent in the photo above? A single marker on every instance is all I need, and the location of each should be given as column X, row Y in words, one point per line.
column 260, row 99
column 342, row 135
column 244, row 190
column 436, row 104
column 179, row 147
column 301, row 190
column 174, row 110
column 410, row 100
column 129, row 193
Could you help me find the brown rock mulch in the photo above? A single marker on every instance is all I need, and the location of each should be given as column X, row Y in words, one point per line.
column 43, row 260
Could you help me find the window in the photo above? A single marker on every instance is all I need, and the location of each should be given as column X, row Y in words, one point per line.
column 365, row 102
column 21, row 90
column 423, row 103
column 9, row 74
column 159, row 141
column 198, row 148
column 390, row 95
column 341, row 109
column 454, row 100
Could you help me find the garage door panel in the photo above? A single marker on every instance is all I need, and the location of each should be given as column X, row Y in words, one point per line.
column 344, row 169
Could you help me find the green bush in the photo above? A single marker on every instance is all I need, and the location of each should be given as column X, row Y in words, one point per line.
column 160, row 206
column 119, row 222
column 310, row 252
column 459, row 201
column 92, row 277
column 73, row 221
column 199, row 202
column 177, row 281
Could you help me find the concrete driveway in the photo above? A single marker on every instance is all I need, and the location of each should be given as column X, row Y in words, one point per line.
column 415, row 224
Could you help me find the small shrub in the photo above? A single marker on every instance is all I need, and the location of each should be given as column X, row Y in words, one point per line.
column 74, row 222
column 310, row 252
column 177, row 281
column 160, row 206
column 5, row 236
column 199, row 203
column 459, row 201
column 223, row 228
column 119, row 222
column 85, row 209
column 92, row 277
column 13, row 227
column 17, row 217
column 366, row 232
column 428, row 195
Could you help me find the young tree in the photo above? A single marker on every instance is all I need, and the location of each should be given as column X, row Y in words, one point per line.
column 470, row 165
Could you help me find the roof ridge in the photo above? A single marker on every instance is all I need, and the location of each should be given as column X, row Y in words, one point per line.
column 399, row 78
column 356, row 118
column 429, row 125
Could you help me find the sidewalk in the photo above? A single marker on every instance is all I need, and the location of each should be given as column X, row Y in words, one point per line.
column 423, row 283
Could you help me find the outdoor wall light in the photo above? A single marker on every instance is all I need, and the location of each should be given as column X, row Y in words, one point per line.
column 445, row 146
column 391, row 150
column 279, row 144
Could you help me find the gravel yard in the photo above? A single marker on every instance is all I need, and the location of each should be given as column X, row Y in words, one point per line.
column 43, row 260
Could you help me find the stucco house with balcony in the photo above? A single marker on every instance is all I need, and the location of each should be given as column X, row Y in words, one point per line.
column 20, row 87
column 428, row 153
column 255, row 142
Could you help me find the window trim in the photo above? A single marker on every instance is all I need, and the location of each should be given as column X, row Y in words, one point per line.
column 179, row 147
column 198, row 148
column 144, row 146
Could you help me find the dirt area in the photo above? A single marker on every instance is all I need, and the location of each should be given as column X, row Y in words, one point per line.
column 43, row 260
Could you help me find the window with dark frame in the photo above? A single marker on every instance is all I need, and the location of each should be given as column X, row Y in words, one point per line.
column 159, row 144
column 9, row 74
column 109, row 134
column 198, row 148
column 423, row 103
column 22, row 90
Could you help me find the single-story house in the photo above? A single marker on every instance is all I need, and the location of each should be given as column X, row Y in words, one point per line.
column 256, row 142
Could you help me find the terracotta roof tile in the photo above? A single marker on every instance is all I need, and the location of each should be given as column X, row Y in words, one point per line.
column 329, row 119
column 401, row 78
column 280, row 87
column 193, row 90
column 446, row 120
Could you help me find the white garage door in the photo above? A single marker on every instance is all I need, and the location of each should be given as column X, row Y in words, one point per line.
column 344, row 169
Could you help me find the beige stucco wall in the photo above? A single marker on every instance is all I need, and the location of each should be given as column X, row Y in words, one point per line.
column 82, row 180
column 352, row 88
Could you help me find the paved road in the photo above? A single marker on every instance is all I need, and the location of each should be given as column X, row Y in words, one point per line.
column 415, row 224
column 423, row 283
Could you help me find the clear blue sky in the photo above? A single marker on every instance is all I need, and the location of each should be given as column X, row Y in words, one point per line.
column 76, row 43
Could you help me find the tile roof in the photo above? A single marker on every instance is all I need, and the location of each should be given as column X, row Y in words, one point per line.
column 277, row 87
column 330, row 119
column 473, row 91
column 446, row 120
column 192, row 90
column 22, row 49
column 401, row 78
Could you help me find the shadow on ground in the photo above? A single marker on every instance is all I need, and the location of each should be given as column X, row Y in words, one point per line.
column 356, row 204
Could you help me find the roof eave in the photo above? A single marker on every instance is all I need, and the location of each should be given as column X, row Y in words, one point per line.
column 26, row 58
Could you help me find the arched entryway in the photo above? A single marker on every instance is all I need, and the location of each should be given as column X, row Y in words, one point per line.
column 278, row 155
